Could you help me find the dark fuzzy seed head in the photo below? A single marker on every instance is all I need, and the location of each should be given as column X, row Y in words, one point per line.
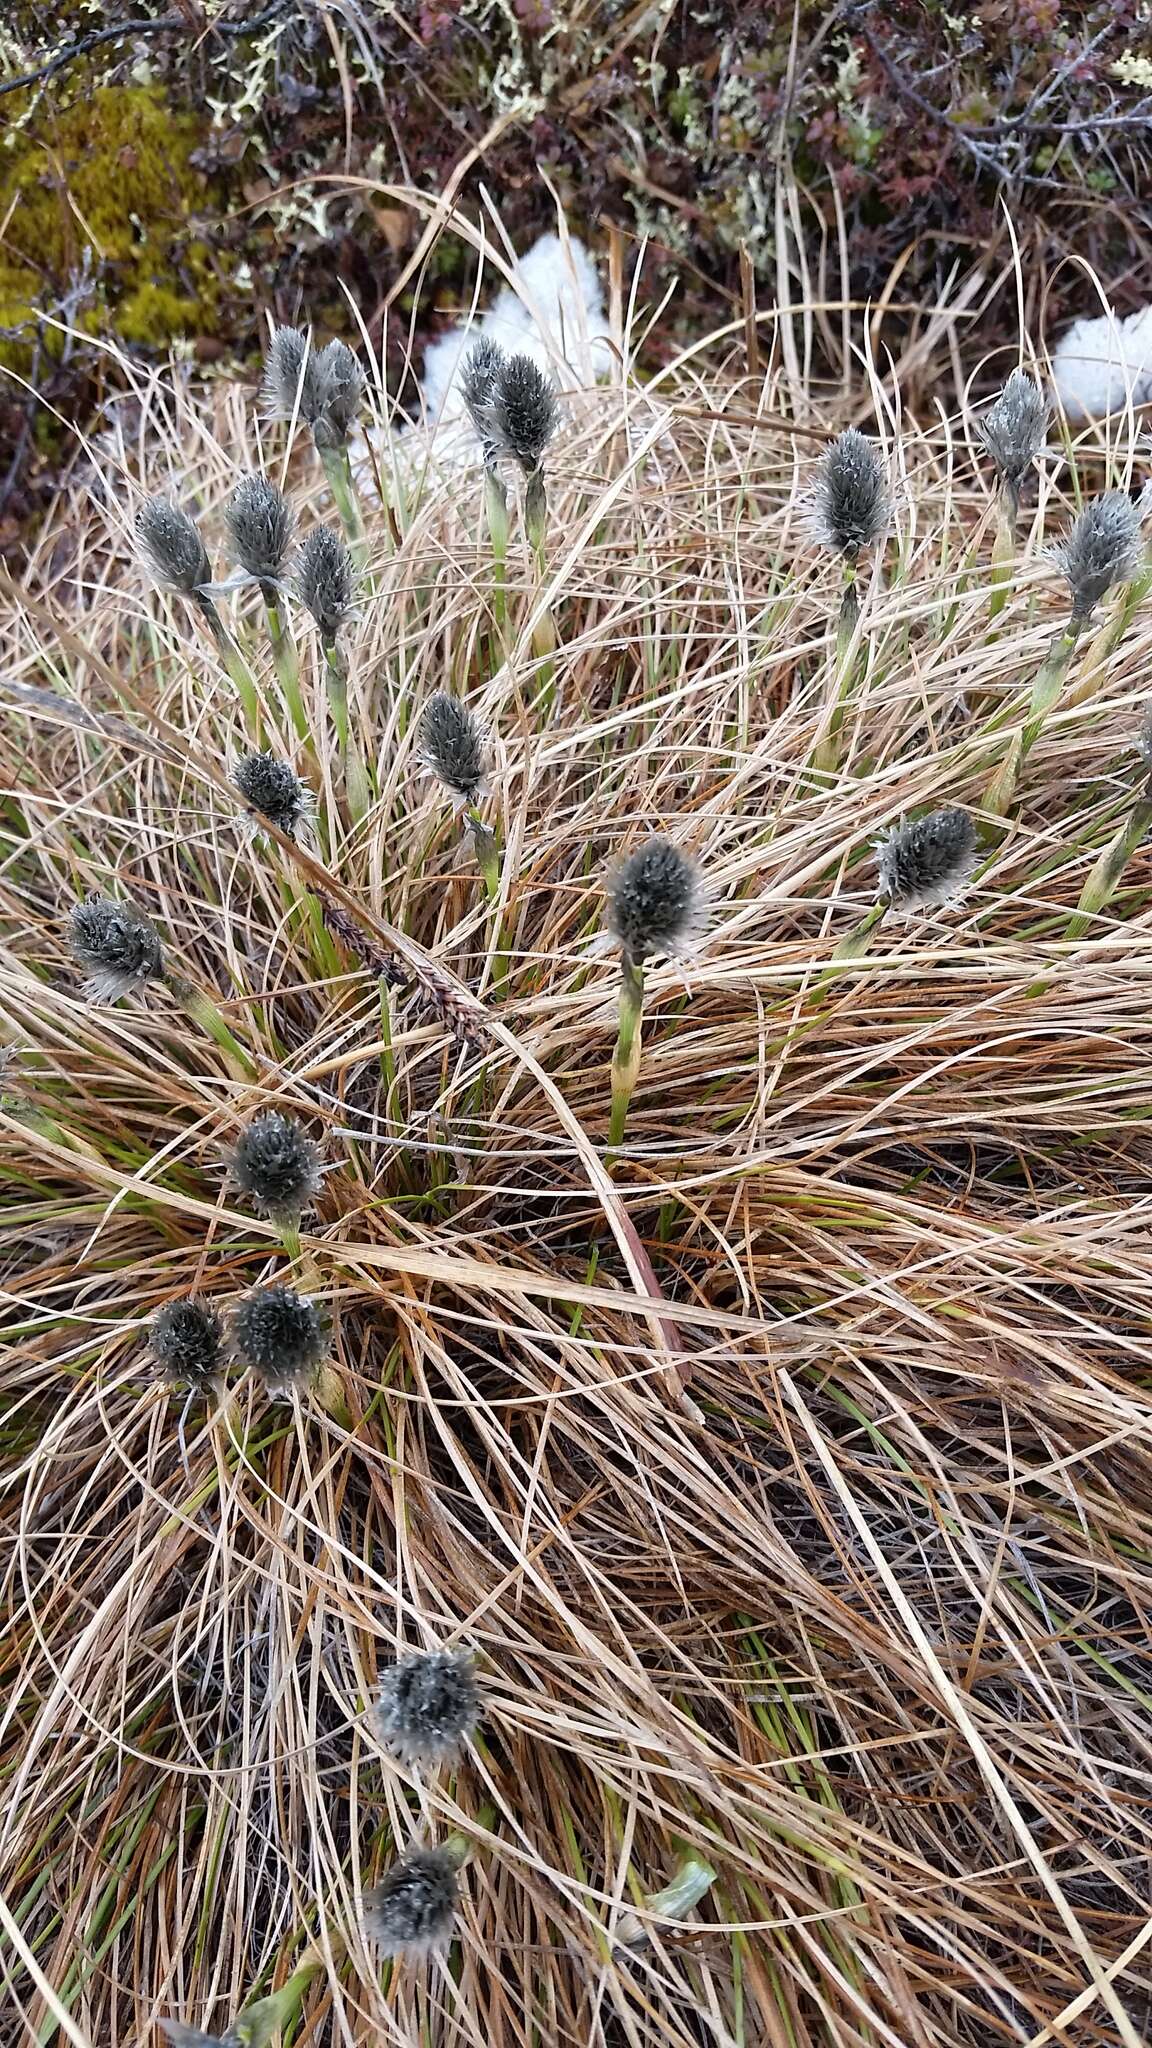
column 260, row 528
column 324, row 580
column 1014, row 427
column 116, row 946
column 277, row 1164
column 452, row 745
column 323, row 387
column 173, row 551
column 520, row 414
column 412, row 1909
column 851, row 501
column 186, row 1339
column 427, row 1706
column 928, row 861
column 478, row 373
column 274, row 789
column 281, row 1335
column 1102, row 546
column 655, row 901
column 341, row 393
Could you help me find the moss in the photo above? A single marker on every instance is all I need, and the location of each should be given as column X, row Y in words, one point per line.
column 106, row 186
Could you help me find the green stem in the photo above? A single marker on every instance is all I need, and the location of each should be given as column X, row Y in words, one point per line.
column 286, row 663
column 203, row 1011
column 626, row 1058
column 338, row 470
column 496, row 512
column 487, row 853
column 265, row 2021
column 1004, row 550
column 693, row 1878
column 826, row 753
column 1046, row 688
column 544, row 636
column 1104, row 879
column 356, row 779
column 238, row 669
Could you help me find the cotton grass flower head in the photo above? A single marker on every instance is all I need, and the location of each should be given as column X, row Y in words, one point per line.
column 274, row 789
column 1103, row 546
column 427, row 1706
column 452, row 744
column 173, row 551
column 520, row 414
column 412, row 1910
column 325, row 579
column 851, row 505
column 656, row 902
column 277, row 1164
column 281, row 1335
column 260, row 528
column 479, row 371
column 187, row 1341
column 116, row 945
column 928, row 862
column 323, row 387
column 1013, row 429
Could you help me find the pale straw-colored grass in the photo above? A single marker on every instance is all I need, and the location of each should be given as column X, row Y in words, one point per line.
column 858, row 1612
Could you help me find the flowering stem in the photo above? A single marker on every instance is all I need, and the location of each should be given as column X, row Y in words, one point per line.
column 1004, row 549
column 826, row 753
column 693, row 1877
column 355, row 771
column 544, row 631
column 487, row 853
column 626, row 1058
column 1104, row 879
column 234, row 662
column 203, row 1011
column 1103, row 644
column 286, row 664
column 338, row 471
column 265, row 2021
column 496, row 511
column 1045, row 690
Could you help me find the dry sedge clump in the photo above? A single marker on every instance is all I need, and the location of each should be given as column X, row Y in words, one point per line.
column 276, row 1162
column 412, row 1910
column 281, row 1335
column 187, row 1342
column 928, row 862
column 274, row 789
column 427, row 1706
column 740, row 1442
column 119, row 950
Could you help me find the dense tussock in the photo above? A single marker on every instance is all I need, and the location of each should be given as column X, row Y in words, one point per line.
column 858, row 1617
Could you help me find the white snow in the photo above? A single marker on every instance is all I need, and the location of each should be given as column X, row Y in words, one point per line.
column 1102, row 365
column 554, row 312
